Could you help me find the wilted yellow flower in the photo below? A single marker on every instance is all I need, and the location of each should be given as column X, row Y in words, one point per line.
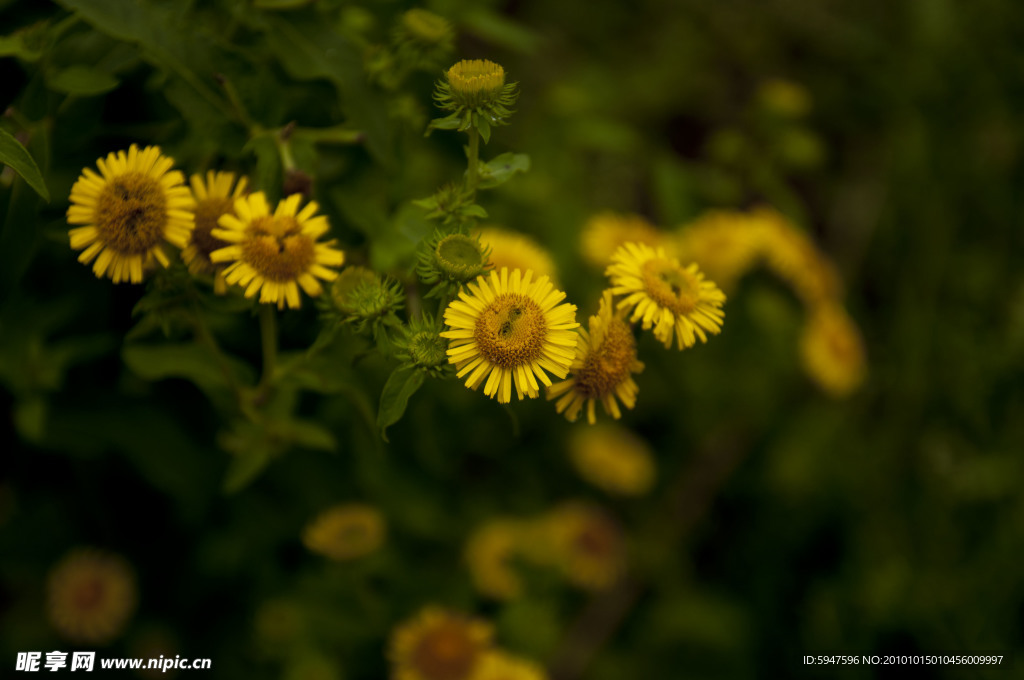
column 510, row 329
column 345, row 532
column 603, row 368
column 724, row 244
column 91, row 596
column 671, row 298
column 439, row 645
column 130, row 209
column 490, row 551
column 792, row 255
column 213, row 198
column 832, row 351
column 517, row 251
column 503, row 666
column 276, row 253
column 587, row 545
column 612, row 458
column 605, row 232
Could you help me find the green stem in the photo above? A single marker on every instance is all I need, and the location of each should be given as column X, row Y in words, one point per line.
column 268, row 338
column 472, row 172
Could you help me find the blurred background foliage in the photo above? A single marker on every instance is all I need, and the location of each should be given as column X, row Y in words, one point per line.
column 781, row 521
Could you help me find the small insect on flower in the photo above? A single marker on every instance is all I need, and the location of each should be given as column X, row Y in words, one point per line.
column 91, row 596
column 603, row 368
column 275, row 254
column 510, row 329
column 674, row 299
column 439, row 645
column 213, row 198
column 130, row 209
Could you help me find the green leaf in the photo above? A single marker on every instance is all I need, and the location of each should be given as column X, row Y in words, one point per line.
column 451, row 122
column 82, row 80
column 268, row 166
column 17, row 158
column 17, row 46
column 402, row 384
column 482, row 126
column 310, row 435
column 192, row 361
column 245, row 467
column 502, row 168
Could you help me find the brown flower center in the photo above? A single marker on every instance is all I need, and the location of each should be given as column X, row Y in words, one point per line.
column 608, row 364
column 670, row 285
column 207, row 213
column 89, row 593
column 447, row 652
column 277, row 249
column 131, row 213
column 597, row 538
column 511, row 330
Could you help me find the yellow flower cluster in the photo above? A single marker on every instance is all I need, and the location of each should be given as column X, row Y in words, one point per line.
column 137, row 203
column 440, row 644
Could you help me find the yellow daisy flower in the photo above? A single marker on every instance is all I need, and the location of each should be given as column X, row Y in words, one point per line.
column 724, row 244
column 213, row 198
column 791, row 254
column 489, row 554
column 516, row 251
column 671, row 298
column 135, row 204
column 832, row 351
column 510, row 329
column 345, row 532
column 603, row 368
column 504, row 666
column 276, row 253
column 612, row 458
column 439, row 645
column 605, row 232
column 587, row 545
column 91, row 595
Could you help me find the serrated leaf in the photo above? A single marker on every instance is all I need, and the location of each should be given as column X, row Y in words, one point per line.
column 17, row 158
column 401, row 385
column 82, row 80
column 503, row 168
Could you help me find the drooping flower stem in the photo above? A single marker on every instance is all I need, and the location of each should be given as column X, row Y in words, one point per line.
column 472, row 171
column 268, row 339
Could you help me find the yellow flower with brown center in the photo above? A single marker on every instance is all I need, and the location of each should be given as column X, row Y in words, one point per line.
column 832, row 351
column 91, row 595
column 724, row 244
column 490, row 551
column 130, row 209
column 587, row 545
column 510, row 329
column 612, row 458
column 439, row 645
column 213, row 198
column 516, row 251
column 503, row 666
column 605, row 232
column 603, row 368
column 275, row 254
column 346, row 532
column 674, row 299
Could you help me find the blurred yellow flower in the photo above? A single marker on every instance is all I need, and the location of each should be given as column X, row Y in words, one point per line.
column 587, row 545
column 130, row 209
column 439, row 645
column 490, row 551
column 279, row 623
column 724, row 244
column 832, row 351
column 603, row 368
column 605, row 232
column 784, row 98
column 675, row 300
column 612, row 458
column 345, row 532
column 794, row 258
column 513, row 250
column 510, row 329
column 213, row 198
column 91, row 596
column 276, row 253
column 503, row 666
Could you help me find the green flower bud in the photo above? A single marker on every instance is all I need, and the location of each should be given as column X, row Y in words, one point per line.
column 421, row 346
column 365, row 299
column 448, row 260
column 476, row 94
